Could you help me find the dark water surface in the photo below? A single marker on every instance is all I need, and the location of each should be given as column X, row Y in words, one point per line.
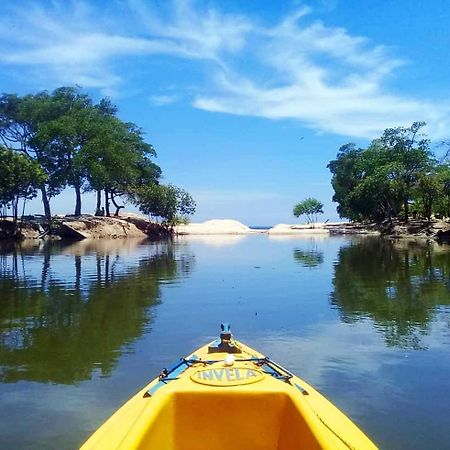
column 84, row 326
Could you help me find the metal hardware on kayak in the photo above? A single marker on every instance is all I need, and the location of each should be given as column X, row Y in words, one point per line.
column 176, row 370
column 303, row 391
column 224, row 344
column 266, row 364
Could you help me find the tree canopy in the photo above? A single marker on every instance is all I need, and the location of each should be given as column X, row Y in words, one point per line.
column 168, row 203
column 19, row 178
column 310, row 207
column 395, row 173
column 74, row 142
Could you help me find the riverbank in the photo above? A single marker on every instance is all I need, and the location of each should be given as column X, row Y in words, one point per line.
column 226, row 226
column 86, row 226
column 438, row 230
column 130, row 225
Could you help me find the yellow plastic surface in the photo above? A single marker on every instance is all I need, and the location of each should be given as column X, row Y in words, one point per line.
column 228, row 409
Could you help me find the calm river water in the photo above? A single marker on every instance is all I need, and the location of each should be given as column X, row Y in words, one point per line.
column 83, row 326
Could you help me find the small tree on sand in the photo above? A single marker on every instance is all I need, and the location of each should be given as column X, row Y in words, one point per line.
column 309, row 207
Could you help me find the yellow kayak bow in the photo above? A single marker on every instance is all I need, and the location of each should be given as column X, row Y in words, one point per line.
column 227, row 396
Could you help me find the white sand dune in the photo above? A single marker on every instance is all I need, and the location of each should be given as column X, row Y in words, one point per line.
column 216, row 226
column 298, row 229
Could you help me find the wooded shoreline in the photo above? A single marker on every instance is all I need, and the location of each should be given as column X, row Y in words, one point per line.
column 129, row 225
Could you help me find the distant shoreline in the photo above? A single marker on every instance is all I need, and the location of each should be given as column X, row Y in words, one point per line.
column 227, row 226
column 438, row 230
column 130, row 225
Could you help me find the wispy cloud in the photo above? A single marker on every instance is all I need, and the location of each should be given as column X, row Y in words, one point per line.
column 163, row 100
column 299, row 68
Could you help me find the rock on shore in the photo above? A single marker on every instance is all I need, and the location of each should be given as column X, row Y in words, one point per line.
column 127, row 225
column 91, row 227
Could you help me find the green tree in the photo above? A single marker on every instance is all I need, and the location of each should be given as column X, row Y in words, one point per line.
column 410, row 151
column 19, row 179
column 378, row 182
column 375, row 196
column 118, row 161
column 442, row 203
column 309, row 207
column 77, row 144
column 72, row 124
column 169, row 203
column 429, row 190
column 20, row 118
column 346, row 175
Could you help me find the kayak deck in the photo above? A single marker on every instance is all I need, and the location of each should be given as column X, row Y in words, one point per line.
column 227, row 398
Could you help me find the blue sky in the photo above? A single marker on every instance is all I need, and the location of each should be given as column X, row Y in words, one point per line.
column 245, row 101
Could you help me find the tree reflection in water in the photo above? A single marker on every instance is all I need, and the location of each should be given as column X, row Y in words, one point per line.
column 398, row 285
column 59, row 322
column 308, row 258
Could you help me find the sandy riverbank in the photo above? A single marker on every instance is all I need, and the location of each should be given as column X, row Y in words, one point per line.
column 129, row 225
column 227, row 226
column 297, row 229
column 216, row 226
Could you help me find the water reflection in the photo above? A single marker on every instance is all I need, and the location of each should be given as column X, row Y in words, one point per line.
column 309, row 258
column 397, row 285
column 67, row 311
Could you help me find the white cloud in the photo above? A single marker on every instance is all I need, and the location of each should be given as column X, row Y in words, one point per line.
column 327, row 79
column 300, row 69
column 162, row 100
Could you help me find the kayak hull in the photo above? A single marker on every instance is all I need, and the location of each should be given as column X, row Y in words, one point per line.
column 222, row 402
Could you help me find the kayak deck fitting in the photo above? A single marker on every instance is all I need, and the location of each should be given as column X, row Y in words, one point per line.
column 227, row 396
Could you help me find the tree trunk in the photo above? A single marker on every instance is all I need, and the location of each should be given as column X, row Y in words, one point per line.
column 107, row 202
column 118, row 207
column 15, row 208
column 45, row 202
column 406, row 207
column 77, row 200
column 99, row 201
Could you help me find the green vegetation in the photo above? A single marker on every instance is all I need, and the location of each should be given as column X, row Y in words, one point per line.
column 63, row 139
column 309, row 207
column 169, row 203
column 396, row 173
column 19, row 178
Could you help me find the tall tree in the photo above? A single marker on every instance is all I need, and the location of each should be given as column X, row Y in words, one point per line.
column 19, row 179
column 167, row 202
column 64, row 136
column 346, row 173
column 118, row 160
column 20, row 122
column 375, row 183
column 309, row 207
column 410, row 151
